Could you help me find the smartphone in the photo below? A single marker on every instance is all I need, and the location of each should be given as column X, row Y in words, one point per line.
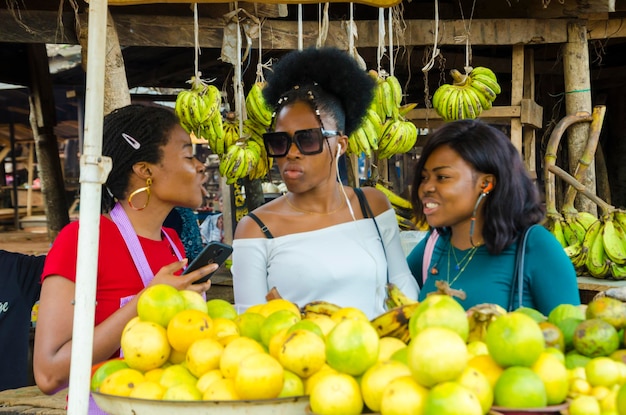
column 214, row 252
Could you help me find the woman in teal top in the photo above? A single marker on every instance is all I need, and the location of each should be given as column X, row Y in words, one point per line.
column 472, row 188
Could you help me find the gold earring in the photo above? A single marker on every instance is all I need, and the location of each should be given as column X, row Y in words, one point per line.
column 136, row 192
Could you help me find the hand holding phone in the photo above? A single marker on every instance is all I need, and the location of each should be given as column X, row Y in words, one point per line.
column 213, row 253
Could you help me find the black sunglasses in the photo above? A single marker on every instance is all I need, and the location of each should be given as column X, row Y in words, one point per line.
column 309, row 142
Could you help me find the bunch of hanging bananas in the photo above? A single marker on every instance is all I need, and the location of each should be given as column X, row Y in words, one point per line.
column 198, row 110
column 384, row 129
column 258, row 111
column 468, row 96
column 595, row 245
column 243, row 152
column 403, row 208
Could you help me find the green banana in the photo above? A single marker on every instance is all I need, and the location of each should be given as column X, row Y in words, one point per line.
column 573, row 230
column 597, row 262
column 614, row 240
column 388, row 99
column 485, row 102
column 489, row 81
column 620, row 217
column 475, row 100
column 618, row 272
column 396, row 89
column 410, row 137
column 586, row 219
column 556, row 228
column 484, row 89
column 481, row 70
column 574, row 250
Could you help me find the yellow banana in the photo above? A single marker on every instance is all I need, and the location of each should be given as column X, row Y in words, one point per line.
column 614, row 240
column 394, row 198
column 375, row 120
column 359, row 137
column 379, row 101
column 395, row 321
column 320, row 307
column 397, row 296
column 371, row 132
column 403, row 110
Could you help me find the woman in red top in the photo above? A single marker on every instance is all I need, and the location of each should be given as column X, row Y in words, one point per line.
column 154, row 170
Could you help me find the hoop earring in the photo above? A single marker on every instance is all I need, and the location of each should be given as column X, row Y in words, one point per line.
column 136, row 192
column 473, row 220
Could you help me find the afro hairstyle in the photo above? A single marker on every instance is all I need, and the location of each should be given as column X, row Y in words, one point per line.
column 332, row 70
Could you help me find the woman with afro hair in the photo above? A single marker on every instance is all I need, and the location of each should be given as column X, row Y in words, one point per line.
column 321, row 240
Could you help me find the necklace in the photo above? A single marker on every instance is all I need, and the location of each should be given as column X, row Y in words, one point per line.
column 460, row 266
column 310, row 212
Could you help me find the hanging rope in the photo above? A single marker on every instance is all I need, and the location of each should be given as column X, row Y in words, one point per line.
column 381, row 38
column 323, row 22
column 390, row 30
column 466, row 37
column 239, row 97
column 300, row 36
column 436, row 50
column 196, row 40
column 260, row 66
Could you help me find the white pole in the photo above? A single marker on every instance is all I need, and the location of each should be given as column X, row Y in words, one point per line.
column 93, row 172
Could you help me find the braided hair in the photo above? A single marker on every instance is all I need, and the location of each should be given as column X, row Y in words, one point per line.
column 339, row 86
column 132, row 134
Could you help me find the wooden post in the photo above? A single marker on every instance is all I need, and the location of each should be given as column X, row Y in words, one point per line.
column 578, row 98
column 517, row 88
column 528, row 132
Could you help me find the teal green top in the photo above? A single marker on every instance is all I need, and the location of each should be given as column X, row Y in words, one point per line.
column 549, row 276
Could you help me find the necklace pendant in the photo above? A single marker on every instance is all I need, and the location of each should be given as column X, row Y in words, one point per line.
column 457, row 267
column 434, row 271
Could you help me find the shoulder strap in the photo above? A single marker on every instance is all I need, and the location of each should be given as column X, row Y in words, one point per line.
column 264, row 228
column 428, row 255
column 518, row 273
column 367, row 213
column 365, row 206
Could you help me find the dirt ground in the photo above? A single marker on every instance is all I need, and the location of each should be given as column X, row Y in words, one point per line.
column 35, row 241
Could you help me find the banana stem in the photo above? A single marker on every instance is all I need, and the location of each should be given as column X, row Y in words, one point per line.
column 579, row 187
column 550, row 156
column 587, row 157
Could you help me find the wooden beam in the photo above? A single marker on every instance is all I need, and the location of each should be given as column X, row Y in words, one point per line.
column 428, row 117
column 177, row 31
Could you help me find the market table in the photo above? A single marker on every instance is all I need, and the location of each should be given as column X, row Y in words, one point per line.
column 30, row 400
column 589, row 287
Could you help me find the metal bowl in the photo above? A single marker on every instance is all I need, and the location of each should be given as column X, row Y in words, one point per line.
column 118, row 405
